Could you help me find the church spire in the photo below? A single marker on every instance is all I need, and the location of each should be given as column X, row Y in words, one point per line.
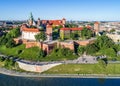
column 31, row 16
column 31, row 20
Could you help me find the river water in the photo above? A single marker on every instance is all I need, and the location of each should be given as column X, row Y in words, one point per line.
column 6, row 80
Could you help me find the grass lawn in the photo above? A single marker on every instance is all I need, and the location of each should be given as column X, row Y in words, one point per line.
column 1, row 64
column 31, row 54
column 84, row 69
column 11, row 51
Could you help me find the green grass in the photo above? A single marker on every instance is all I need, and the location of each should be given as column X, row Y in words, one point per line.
column 28, row 54
column 11, row 51
column 84, row 69
column 1, row 64
column 32, row 53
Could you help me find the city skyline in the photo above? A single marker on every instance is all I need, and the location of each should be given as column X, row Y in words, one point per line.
column 82, row 10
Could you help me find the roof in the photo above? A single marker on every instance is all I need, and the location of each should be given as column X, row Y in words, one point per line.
column 73, row 29
column 53, row 22
column 49, row 26
column 30, row 29
column 96, row 23
column 63, row 19
column 65, row 29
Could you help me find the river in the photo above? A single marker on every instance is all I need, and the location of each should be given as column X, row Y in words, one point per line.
column 6, row 80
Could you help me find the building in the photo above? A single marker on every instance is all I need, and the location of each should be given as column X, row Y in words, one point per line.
column 29, row 33
column 31, row 21
column 114, row 37
column 49, row 31
column 33, row 27
column 1, row 24
column 54, row 22
column 97, row 27
column 8, row 24
column 66, row 32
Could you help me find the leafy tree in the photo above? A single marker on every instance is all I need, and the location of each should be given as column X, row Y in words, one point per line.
column 10, row 43
column 8, row 36
column 9, row 63
column 91, row 49
column 40, row 37
column 110, row 52
column 112, row 30
column 62, row 36
column 74, row 36
column 64, row 52
column 71, row 25
column 86, row 33
column 81, row 50
column 3, row 40
column 104, row 42
column 15, row 32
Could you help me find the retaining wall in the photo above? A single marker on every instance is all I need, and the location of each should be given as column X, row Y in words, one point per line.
column 36, row 68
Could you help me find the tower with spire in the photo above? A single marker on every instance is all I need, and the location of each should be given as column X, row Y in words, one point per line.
column 31, row 21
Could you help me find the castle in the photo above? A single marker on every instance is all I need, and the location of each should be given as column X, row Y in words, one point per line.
column 32, row 27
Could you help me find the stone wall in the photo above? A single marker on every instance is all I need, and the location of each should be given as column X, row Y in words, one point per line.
column 36, row 68
column 85, row 42
column 69, row 45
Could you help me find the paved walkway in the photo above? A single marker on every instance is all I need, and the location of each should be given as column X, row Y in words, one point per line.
column 85, row 59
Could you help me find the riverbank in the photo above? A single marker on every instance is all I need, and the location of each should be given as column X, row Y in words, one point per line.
column 28, row 74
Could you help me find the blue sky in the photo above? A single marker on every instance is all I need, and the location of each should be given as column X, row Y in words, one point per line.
column 57, row 9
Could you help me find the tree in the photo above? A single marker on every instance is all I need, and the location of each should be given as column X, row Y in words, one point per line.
column 3, row 40
column 74, row 35
column 40, row 37
column 104, row 42
column 10, row 43
column 62, row 36
column 15, row 32
column 81, row 50
column 91, row 49
column 110, row 52
column 112, row 30
column 86, row 33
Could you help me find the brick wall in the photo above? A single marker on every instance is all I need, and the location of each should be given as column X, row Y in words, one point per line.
column 66, row 45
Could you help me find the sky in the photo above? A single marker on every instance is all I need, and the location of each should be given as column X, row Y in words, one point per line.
column 82, row 10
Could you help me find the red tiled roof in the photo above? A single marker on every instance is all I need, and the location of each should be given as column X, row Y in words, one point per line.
column 30, row 29
column 96, row 23
column 56, row 22
column 65, row 29
column 63, row 19
column 52, row 22
column 75, row 29
column 49, row 26
column 88, row 26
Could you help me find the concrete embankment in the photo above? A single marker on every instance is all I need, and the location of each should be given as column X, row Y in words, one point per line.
column 36, row 67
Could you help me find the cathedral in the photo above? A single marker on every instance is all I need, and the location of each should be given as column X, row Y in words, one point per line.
column 32, row 27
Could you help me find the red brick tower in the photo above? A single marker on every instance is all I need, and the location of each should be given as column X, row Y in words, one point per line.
column 97, row 27
column 49, row 32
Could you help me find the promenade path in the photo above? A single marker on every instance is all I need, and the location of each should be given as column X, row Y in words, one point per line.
column 43, row 66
